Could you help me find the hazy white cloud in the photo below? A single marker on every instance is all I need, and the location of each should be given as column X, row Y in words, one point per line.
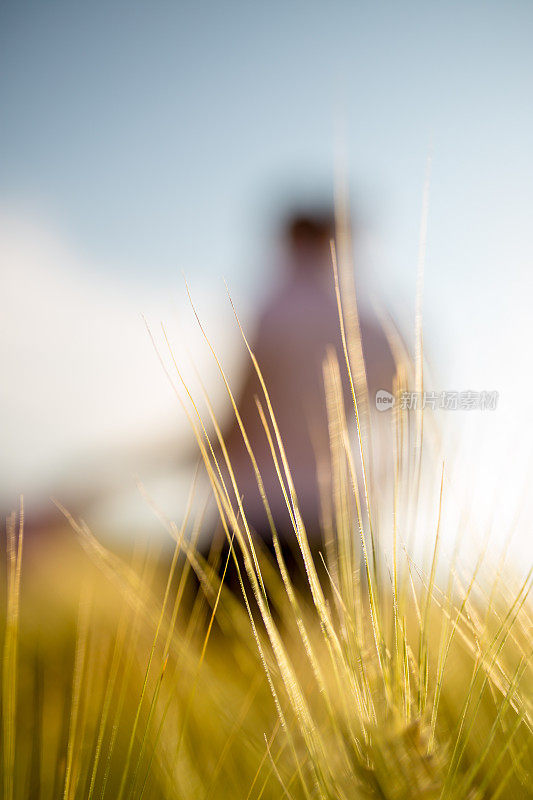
column 85, row 403
column 79, row 374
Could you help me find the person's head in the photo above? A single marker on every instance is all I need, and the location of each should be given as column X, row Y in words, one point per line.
column 308, row 239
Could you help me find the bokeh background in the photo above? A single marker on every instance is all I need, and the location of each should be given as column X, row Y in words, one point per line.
column 142, row 143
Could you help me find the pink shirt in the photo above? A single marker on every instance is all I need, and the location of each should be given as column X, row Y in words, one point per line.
column 297, row 326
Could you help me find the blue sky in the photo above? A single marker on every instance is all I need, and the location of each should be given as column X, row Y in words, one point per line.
column 154, row 134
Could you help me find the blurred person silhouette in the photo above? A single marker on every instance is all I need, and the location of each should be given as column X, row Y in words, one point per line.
column 297, row 325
